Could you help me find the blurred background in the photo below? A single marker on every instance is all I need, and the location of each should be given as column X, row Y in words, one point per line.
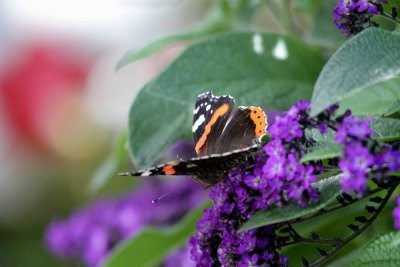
column 64, row 106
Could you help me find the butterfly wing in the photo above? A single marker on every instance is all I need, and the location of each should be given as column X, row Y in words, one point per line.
column 210, row 116
column 209, row 170
column 245, row 128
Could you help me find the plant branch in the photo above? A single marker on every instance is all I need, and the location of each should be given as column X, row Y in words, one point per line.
column 387, row 16
column 333, row 208
column 356, row 233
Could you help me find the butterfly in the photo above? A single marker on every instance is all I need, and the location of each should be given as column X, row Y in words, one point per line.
column 224, row 137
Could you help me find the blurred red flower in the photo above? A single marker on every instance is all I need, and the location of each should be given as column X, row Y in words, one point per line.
column 35, row 80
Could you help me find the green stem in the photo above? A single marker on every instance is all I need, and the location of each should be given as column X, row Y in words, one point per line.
column 387, row 16
column 345, row 241
column 333, row 208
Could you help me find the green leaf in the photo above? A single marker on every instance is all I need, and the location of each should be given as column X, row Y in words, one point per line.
column 308, row 6
column 323, row 151
column 324, row 147
column 152, row 244
column 329, row 188
column 257, row 69
column 323, row 31
column 155, row 46
column 110, row 166
column 386, row 129
column 377, row 99
column 217, row 20
column 383, row 251
column 362, row 75
column 395, row 107
column 322, row 139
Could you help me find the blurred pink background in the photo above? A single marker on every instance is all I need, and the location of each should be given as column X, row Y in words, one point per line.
column 63, row 103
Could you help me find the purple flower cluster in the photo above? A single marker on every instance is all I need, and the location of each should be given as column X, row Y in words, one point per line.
column 282, row 170
column 351, row 15
column 356, row 159
column 180, row 257
column 277, row 178
column 362, row 157
column 396, row 214
column 89, row 234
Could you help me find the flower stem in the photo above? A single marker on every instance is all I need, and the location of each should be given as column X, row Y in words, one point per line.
column 387, row 16
column 333, row 208
column 345, row 241
column 337, row 243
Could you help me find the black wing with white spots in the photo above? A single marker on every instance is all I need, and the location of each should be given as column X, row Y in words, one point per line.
column 210, row 115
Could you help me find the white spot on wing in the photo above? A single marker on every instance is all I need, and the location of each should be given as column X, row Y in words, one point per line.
column 196, row 110
column 280, row 50
column 258, row 46
column 208, row 107
column 146, row 173
column 199, row 122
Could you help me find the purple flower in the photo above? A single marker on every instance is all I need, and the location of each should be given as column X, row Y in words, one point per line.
column 396, row 214
column 89, row 234
column 249, row 261
column 354, row 168
column 358, row 157
column 98, row 243
column 323, row 128
column 353, row 128
column 350, row 16
column 332, row 108
column 180, row 258
column 255, row 182
column 275, row 148
column 287, row 128
column 274, row 168
column 362, row 157
column 307, row 176
column 247, row 242
column 57, row 240
column 354, row 181
column 392, row 159
column 292, row 167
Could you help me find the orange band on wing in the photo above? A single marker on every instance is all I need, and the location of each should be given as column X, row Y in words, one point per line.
column 169, row 169
column 219, row 112
column 259, row 118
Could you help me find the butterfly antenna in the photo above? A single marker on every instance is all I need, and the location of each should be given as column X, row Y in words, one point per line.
column 154, row 201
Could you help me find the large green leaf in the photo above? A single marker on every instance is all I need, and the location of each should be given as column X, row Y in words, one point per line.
column 394, row 108
column 157, row 45
column 257, row 69
column 362, row 75
column 151, row 245
column 383, row 252
column 386, row 129
column 329, row 188
column 215, row 21
column 222, row 16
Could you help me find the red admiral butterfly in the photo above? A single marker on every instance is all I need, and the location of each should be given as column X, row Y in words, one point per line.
column 223, row 137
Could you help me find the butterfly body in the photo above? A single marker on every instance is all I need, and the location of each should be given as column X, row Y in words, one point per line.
column 223, row 138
